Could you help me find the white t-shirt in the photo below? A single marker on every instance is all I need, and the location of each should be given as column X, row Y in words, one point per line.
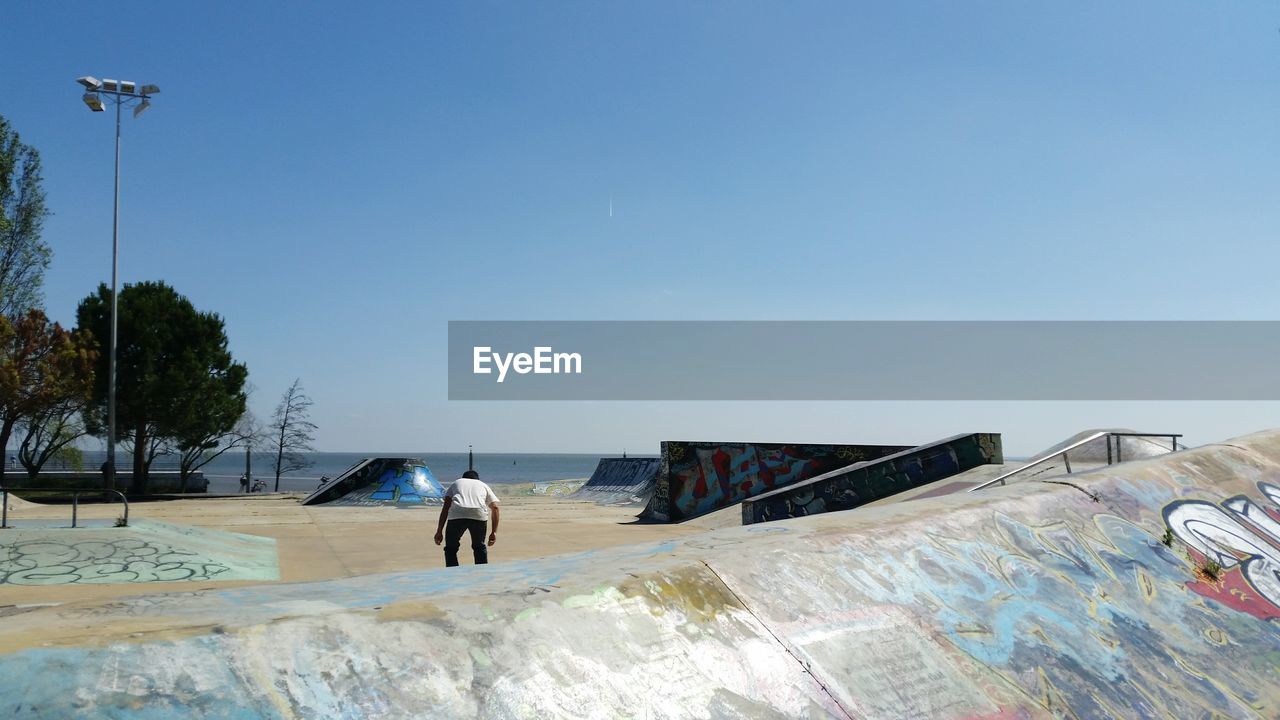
column 471, row 499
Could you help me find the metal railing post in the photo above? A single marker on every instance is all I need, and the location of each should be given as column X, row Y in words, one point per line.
column 1066, row 460
column 4, row 508
column 75, row 506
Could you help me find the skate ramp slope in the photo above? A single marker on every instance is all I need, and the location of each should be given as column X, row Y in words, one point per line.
column 621, row 481
column 696, row 478
column 1036, row 600
column 36, row 553
column 398, row 482
column 1123, row 447
column 860, row 484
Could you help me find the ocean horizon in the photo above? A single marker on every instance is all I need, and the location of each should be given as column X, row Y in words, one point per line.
column 224, row 471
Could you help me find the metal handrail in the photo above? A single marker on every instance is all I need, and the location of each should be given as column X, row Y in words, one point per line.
column 1067, row 461
column 75, row 502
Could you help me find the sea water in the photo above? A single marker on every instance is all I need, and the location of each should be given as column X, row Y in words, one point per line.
column 224, row 471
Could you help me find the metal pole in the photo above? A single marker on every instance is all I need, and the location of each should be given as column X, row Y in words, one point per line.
column 75, row 505
column 4, row 508
column 111, row 343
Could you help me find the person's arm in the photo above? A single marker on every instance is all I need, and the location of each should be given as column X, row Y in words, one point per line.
column 444, row 515
column 493, row 531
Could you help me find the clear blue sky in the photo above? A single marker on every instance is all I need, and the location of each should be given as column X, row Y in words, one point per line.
column 338, row 180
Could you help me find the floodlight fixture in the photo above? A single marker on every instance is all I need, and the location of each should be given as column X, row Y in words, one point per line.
column 122, row 93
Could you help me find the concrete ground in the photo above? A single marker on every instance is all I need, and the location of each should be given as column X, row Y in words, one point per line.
column 319, row 543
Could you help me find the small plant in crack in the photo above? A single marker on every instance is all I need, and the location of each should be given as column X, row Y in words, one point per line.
column 1211, row 570
column 1167, row 538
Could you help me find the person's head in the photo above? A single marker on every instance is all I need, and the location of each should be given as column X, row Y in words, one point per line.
column 471, row 474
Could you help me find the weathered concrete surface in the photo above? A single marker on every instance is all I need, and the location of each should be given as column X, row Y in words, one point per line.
column 546, row 488
column 34, row 553
column 1040, row 599
column 696, row 478
column 323, row 542
column 865, row 482
column 621, row 481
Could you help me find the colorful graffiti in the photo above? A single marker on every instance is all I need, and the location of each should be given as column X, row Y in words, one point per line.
column 1237, row 546
column 403, row 482
column 848, row 488
column 696, row 478
column 1026, row 601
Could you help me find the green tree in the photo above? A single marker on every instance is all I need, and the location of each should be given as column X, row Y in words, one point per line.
column 23, row 255
column 52, row 432
column 41, row 367
column 176, row 382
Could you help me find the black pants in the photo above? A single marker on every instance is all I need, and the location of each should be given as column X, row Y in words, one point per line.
column 453, row 540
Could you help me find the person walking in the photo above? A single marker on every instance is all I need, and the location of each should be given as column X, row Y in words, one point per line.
column 468, row 503
column 244, row 482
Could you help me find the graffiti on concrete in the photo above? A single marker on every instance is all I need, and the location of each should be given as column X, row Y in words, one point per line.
column 849, row 488
column 696, row 478
column 125, row 560
column 556, row 488
column 402, row 482
column 1243, row 539
column 1033, row 602
column 146, row 551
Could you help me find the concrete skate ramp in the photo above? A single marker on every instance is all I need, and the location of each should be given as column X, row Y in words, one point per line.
column 860, row 484
column 621, row 481
column 46, row 552
column 13, row 502
column 1033, row 600
column 399, row 482
column 696, row 478
column 1095, row 451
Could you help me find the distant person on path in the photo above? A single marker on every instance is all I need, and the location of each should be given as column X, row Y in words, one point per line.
column 467, row 505
column 244, row 483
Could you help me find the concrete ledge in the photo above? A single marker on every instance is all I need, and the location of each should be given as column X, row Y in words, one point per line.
column 859, row 484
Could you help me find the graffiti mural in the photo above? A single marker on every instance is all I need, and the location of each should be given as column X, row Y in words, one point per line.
column 696, row 478
column 401, row 482
column 1242, row 540
column 1036, row 600
column 848, row 488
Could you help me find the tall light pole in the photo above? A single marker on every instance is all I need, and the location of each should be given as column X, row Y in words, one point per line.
column 121, row 92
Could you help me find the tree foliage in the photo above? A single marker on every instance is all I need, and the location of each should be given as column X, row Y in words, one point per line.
column 52, row 433
column 291, row 429
column 23, row 255
column 42, row 367
column 177, row 385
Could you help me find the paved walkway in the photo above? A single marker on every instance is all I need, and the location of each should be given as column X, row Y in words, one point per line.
column 320, row 543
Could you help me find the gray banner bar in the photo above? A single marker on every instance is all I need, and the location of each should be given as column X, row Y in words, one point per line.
column 864, row 360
